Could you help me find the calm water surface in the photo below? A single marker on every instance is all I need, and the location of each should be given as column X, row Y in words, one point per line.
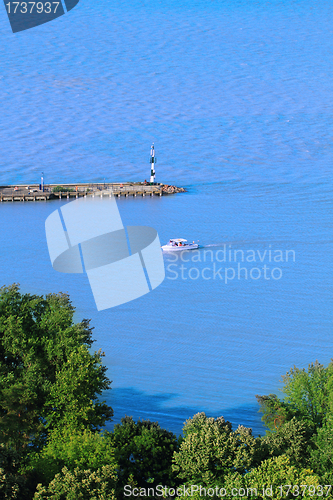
column 238, row 100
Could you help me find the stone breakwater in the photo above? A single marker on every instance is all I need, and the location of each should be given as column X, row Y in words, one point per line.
column 33, row 192
column 167, row 189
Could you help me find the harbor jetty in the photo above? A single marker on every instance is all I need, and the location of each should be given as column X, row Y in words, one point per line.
column 44, row 192
column 37, row 192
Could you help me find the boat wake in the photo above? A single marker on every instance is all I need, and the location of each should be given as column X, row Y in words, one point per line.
column 261, row 242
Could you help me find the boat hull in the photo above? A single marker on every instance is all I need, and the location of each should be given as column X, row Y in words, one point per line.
column 171, row 248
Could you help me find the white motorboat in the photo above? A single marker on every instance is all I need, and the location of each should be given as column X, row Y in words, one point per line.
column 178, row 244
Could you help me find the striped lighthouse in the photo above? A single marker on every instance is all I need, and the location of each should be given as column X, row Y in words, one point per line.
column 152, row 161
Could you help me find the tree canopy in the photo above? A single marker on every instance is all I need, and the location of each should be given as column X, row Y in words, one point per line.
column 143, row 451
column 51, row 418
column 210, row 450
column 307, row 396
column 48, row 375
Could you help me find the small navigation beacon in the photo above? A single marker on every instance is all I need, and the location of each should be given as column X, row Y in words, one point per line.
column 152, row 161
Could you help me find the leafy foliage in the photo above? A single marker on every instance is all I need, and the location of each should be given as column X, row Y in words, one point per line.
column 143, row 452
column 73, row 448
column 12, row 483
column 211, row 449
column 291, row 439
column 80, row 485
column 51, row 418
column 321, row 456
column 48, row 377
column 275, row 411
column 307, row 392
column 270, row 476
column 308, row 397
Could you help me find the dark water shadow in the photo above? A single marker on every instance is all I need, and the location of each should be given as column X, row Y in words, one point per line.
column 138, row 404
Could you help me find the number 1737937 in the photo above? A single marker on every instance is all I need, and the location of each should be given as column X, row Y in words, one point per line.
column 30, row 7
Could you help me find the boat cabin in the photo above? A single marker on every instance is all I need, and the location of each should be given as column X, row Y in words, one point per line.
column 178, row 242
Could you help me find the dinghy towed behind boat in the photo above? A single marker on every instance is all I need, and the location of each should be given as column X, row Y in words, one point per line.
column 178, row 244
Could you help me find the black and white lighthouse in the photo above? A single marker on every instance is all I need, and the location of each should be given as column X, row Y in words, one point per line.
column 152, row 161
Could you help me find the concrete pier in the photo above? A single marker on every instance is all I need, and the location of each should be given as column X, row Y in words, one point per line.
column 32, row 192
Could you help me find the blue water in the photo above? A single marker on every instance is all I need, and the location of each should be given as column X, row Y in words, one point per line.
column 238, row 98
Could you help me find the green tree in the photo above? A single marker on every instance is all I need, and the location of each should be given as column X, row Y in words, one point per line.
column 73, row 448
column 292, row 439
column 210, row 450
column 321, row 455
column 270, row 476
column 275, row 411
column 48, row 376
column 13, row 485
column 307, row 396
column 80, row 485
column 143, row 452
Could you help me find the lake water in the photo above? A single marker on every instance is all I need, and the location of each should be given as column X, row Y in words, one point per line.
column 238, row 98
